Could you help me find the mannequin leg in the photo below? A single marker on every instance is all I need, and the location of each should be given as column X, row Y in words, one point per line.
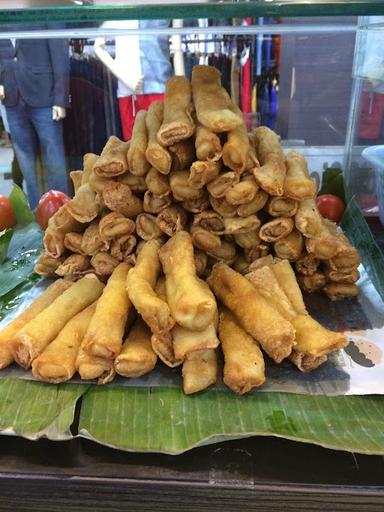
column 24, row 145
column 50, row 134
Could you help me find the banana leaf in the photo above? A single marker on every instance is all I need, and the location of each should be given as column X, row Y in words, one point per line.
column 5, row 239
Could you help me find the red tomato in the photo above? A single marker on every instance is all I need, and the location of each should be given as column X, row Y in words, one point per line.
column 7, row 214
column 49, row 203
column 331, row 207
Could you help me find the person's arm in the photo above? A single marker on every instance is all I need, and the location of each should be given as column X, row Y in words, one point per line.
column 59, row 53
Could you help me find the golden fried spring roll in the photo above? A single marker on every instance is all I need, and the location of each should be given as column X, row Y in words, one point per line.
column 97, row 183
column 104, row 263
column 141, row 281
column 72, row 242
column 172, row 219
column 155, row 204
column 135, row 183
column 287, row 280
column 113, row 159
column 257, row 203
column 312, row 283
column 337, row 291
column 197, row 205
column 118, row 197
column 207, row 144
column 64, row 222
column 58, row 361
column 323, row 246
column 199, row 371
column 214, row 108
column 306, row 362
column 210, row 221
column 346, row 259
column 222, row 207
column 46, row 265
column 242, row 193
column 103, row 337
column 271, row 175
column 254, row 253
column 192, row 304
column 248, row 240
column 114, row 225
column 203, row 172
column 53, row 242
column 186, row 341
column 74, row 266
column 253, row 312
column 204, row 239
column 123, row 246
column 226, row 252
column 307, row 264
column 137, row 356
column 350, row 276
column 181, row 188
column 240, row 264
column 43, row 301
column 137, row 163
column 157, row 183
column 155, row 154
column 177, row 119
column 308, row 219
column 91, row 367
column 298, row 184
column 83, row 206
column 263, row 261
column 183, row 154
column 219, row 186
column 76, row 179
column 201, row 262
column 91, row 242
column 289, row 247
column 276, row 229
column 32, row 339
column 282, row 207
column 89, row 161
column 237, row 225
column 243, row 360
column 146, row 227
column 236, row 149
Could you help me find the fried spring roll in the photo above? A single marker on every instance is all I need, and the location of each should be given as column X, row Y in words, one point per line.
column 53, row 242
column 264, row 261
column 113, row 159
column 226, row 252
column 236, row 149
column 204, row 239
column 237, row 225
column 214, row 108
column 123, row 246
column 104, row 263
column 199, row 371
column 298, row 184
column 137, row 356
column 307, row 264
column 243, row 360
column 323, row 246
column 350, row 276
column 76, row 179
column 271, row 175
column 137, row 163
column 177, row 119
column 276, row 229
column 103, row 337
column 58, row 361
column 308, row 219
column 114, row 225
column 157, row 183
column 191, row 302
column 203, row 172
column 242, row 193
column 186, row 341
column 172, row 219
column 141, row 281
column 197, row 205
column 74, row 266
column 83, row 206
column 219, row 186
column 89, row 160
column 254, row 253
column 253, row 312
column 289, row 247
column 282, row 207
column 347, row 259
column 146, row 227
column 91, row 242
column 222, row 207
column 72, row 242
column 248, row 240
column 91, row 367
column 43, row 301
column 32, row 339
column 181, row 188
column 201, row 262
column 135, row 183
column 257, row 203
column 155, row 204
column 306, row 362
column 312, row 283
column 337, row 291
column 156, row 154
column 207, row 144
column 240, row 264
column 210, row 221
column 97, row 183
column 183, row 154
column 46, row 265
column 63, row 221
column 287, row 280
column 118, row 197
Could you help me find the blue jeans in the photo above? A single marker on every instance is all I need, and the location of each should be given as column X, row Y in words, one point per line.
column 30, row 126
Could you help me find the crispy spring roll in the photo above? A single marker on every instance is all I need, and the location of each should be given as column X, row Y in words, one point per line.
column 242, row 193
column 113, row 159
column 137, row 356
column 177, row 119
column 253, row 312
column 63, row 221
column 103, row 337
column 337, row 291
column 74, row 266
column 172, row 219
column 306, row 362
column 308, row 219
column 264, row 261
column 135, row 183
column 289, row 247
column 58, row 361
column 201, row 262
column 350, row 276
column 214, row 108
column 312, row 283
column 236, row 149
column 89, row 160
column 104, row 263
column 91, row 242
column 32, row 339
column 72, row 242
column 222, row 207
column 226, row 252
column 97, row 183
column 257, row 203
column 91, row 367
column 298, row 184
column 203, row 172
column 76, row 179
column 156, row 155
column 240, row 264
column 204, row 239
column 114, row 225
column 197, row 205
column 219, row 186
column 237, row 225
column 307, row 264
column 157, row 183
column 155, row 204
column 254, row 253
column 323, row 246
column 118, row 197
column 43, row 301
column 287, row 280
column 186, row 341
column 346, row 259
column 199, row 371
column 137, row 163
column 141, row 281
column 276, row 229
column 243, row 360
column 181, row 189
column 248, row 240
column 210, row 221
column 282, row 207
column 207, row 144
column 123, row 246
column 271, row 175
column 54, row 242
column 183, row 154
column 83, row 206
column 191, row 302
column 46, row 265
column 146, row 227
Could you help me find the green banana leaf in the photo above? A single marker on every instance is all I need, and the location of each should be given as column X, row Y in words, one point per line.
column 5, row 239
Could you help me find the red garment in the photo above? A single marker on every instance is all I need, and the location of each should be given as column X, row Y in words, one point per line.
column 371, row 115
column 129, row 106
column 246, row 87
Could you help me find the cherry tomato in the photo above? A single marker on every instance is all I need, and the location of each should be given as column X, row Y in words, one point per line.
column 7, row 214
column 48, row 205
column 331, row 207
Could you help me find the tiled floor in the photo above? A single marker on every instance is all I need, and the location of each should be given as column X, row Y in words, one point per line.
column 6, row 155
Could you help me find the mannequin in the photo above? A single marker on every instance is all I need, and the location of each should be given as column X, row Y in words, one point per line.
column 142, row 66
column 34, row 76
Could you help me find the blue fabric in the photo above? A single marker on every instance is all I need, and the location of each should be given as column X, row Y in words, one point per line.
column 30, row 126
